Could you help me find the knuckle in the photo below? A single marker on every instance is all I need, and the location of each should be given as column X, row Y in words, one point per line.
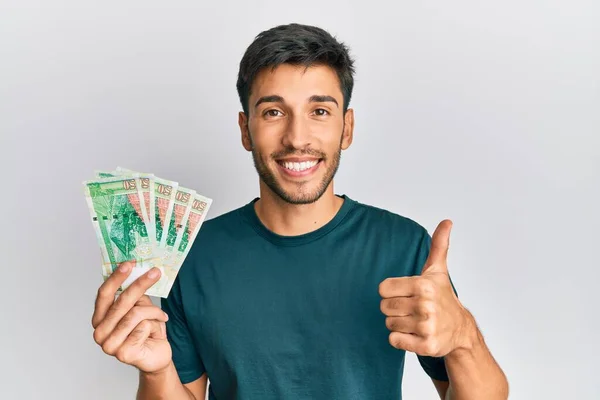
column 123, row 355
column 430, row 347
column 145, row 325
column 98, row 336
column 135, row 314
column 431, row 328
column 426, row 308
column 139, row 330
column 103, row 291
column 136, row 311
column 395, row 341
column 382, row 287
column 383, row 305
column 426, row 329
column 426, row 287
column 389, row 323
column 107, row 347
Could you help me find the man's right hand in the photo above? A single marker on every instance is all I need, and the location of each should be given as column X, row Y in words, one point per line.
column 131, row 328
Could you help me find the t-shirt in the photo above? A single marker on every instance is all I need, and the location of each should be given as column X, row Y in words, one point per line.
column 294, row 317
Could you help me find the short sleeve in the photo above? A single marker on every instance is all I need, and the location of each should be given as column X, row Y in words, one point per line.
column 187, row 361
column 435, row 367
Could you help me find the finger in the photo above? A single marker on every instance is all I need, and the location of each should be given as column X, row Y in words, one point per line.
column 144, row 301
column 107, row 291
column 398, row 287
column 398, row 306
column 113, row 340
column 139, row 286
column 125, row 302
column 405, row 341
column 129, row 352
column 416, row 344
column 406, row 324
column 440, row 242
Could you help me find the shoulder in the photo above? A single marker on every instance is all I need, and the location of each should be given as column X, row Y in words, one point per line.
column 400, row 239
column 229, row 224
column 221, row 222
column 217, row 233
column 389, row 221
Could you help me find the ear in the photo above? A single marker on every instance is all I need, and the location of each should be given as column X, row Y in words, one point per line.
column 348, row 132
column 246, row 139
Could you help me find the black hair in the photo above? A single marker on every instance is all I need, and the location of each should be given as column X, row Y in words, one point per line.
column 295, row 44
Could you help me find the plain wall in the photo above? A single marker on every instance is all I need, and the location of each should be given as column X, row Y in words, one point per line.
column 486, row 113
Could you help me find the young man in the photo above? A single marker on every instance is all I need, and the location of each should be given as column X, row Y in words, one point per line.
column 300, row 293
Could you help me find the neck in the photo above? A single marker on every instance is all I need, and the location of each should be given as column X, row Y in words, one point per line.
column 288, row 219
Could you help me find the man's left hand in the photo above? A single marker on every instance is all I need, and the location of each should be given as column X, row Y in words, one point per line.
column 423, row 313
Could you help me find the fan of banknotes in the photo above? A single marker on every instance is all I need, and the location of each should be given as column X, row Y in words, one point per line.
column 143, row 218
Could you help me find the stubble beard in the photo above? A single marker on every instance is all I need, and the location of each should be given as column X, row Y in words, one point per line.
column 300, row 195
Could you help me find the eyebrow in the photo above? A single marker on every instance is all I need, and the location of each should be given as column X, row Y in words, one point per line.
column 312, row 99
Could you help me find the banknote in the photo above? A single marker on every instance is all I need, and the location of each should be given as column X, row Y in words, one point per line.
column 186, row 237
column 119, row 217
column 148, row 190
column 181, row 210
column 139, row 216
column 164, row 192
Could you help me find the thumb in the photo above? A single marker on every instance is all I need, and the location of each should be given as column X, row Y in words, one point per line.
column 438, row 254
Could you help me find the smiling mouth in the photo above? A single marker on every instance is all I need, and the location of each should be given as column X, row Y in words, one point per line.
column 299, row 166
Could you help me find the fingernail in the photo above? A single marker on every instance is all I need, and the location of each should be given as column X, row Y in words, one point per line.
column 153, row 273
column 167, row 316
column 124, row 267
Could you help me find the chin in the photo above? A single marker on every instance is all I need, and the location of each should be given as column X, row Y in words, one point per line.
column 297, row 192
column 300, row 197
column 306, row 192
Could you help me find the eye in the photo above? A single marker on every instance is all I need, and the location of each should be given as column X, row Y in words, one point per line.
column 321, row 112
column 271, row 113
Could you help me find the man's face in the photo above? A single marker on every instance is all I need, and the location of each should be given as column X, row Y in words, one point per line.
column 296, row 130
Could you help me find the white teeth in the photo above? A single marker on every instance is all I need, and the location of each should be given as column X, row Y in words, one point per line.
column 295, row 166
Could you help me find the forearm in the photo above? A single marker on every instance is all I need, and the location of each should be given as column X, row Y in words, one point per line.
column 473, row 371
column 164, row 385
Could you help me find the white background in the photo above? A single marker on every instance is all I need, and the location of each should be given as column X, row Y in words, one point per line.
column 486, row 113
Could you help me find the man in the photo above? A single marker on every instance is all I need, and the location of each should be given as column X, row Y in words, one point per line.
column 300, row 293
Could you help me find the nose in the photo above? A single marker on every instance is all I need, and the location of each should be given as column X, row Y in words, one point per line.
column 297, row 134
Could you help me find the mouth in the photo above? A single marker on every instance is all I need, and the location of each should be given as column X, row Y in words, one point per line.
column 299, row 167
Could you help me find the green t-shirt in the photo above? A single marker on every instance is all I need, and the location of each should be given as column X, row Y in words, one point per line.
column 279, row 317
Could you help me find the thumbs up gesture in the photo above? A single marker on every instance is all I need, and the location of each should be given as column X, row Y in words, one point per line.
column 422, row 312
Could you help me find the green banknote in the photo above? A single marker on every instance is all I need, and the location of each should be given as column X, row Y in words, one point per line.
column 138, row 216
column 164, row 192
column 147, row 188
column 185, row 238
column 164, row 203
column 181, row 209
column 120, row 221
